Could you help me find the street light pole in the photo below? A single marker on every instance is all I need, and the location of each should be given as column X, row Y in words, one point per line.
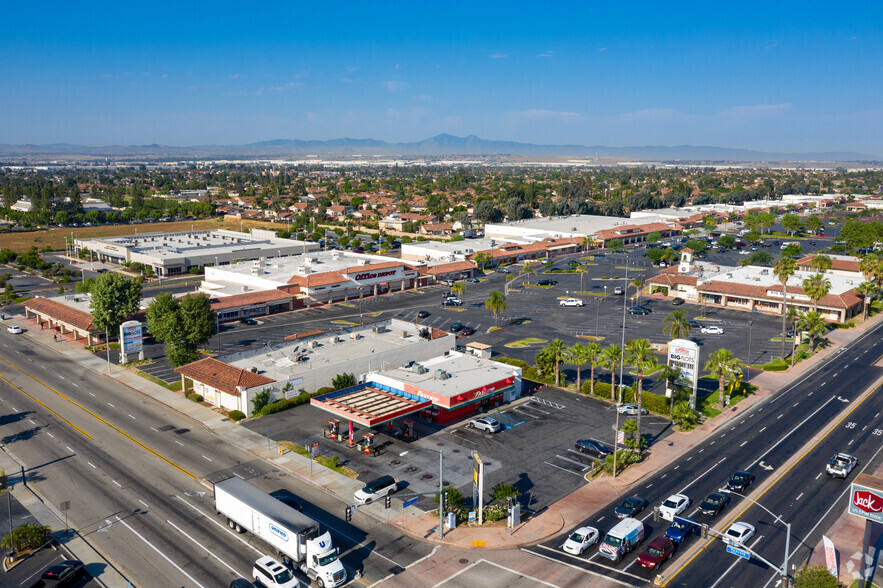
column 784, row 571
column 441, row 488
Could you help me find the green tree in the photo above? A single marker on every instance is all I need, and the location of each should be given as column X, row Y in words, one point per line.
column 726, row 241
column 821, row 263
column 639, row 354
column 341, row 381
column 813, row 223
column 26, row 536
column 114, row 298
column 609, row 359
column 792, row 223
column 784, row 268
column 632, row 431
column 676, row 325
column 654, row 237
column 684, row 416
column 495, row 303
column 866, row 290
column 614, row 244
column 578, row 356
column 182, row 324
column 526, row 270
column 500, row 492
column 817, row 576
column 453, row 497
column 792, row 250
column 812, row 323
column 672, row 375
column 637, row 285
column 482, row 259
column 723, row 365
column 458, row 289
column 61, row 218
column 816, row 287
column 260, row 400
column 558, row 350
column 593, row 352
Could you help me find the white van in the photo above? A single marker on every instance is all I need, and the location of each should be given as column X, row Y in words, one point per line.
column 621, row 539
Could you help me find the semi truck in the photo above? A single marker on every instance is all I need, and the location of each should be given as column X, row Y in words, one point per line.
column 296, row 536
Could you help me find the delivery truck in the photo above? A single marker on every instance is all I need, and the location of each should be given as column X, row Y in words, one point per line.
column 621, row 539
column 296, row 536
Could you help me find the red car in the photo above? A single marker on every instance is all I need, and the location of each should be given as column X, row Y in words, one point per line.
column 655, row 554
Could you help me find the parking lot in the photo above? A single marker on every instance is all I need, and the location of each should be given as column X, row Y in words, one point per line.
column 535, row 452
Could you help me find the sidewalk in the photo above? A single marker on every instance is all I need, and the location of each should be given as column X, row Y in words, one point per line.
column 564, row 514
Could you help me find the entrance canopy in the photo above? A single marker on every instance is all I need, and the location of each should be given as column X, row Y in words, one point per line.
column 369, row 406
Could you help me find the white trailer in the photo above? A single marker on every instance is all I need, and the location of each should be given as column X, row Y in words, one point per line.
column 294, row 534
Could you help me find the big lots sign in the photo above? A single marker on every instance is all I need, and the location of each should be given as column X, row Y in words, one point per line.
column 866, row 499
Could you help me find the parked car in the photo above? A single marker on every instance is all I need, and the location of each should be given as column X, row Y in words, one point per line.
column 711, row 330
column 382, row 486
column 14, row 329
column 840, row 465
column 714, row 503
column 473, row 280
column 467, row 331
column 592, row 447
column 740, row 481
column 456, row 327
column 677, row 301
column 738, row 534
column 501, row 270
column 630, row 409
column 423, row 314
column 547, row 282
column 248, row 321
column 63, row 573
column 681, row 528
column 657, row 553
column 640, row 310
column 486, row 424
column 674, row 505
column 452, row 302
column 630, row 507
column 102, row 270
column 618, row 291
column 580, row 540
column 572, row 302
column 270, row 573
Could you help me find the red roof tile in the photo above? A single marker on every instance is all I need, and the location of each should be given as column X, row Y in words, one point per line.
column 222, row 376
column 61, row 312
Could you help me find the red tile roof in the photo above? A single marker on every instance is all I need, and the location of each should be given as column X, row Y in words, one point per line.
column 446, row 268
column 61, row 312
column 247, row 298
column 222, row 376
column 844, row 265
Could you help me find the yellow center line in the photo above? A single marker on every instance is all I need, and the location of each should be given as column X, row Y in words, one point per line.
column 76, row 428
column 75, row 403
column 775, row 480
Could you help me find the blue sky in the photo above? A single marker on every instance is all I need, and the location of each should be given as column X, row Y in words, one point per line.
column 771, row 76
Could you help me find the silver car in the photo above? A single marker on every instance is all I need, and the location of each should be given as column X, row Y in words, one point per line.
column 486, row 424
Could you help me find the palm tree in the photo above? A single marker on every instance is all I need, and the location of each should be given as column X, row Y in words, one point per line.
column 871, row 268
column 784, row 268
column 458, row 289
column 722, row 365
column 527, row 269
column 582, row 271
column 593, row 350
column 676, row 324
column 578, row 355
column 814, row 324
column 496, row 303
column 867, row 291
column 639, row 353
column 610, row 357
column 558, row 350
column 638, row 284
column 816, row 287
column 821, row 263
column 668, row 256
column 671, row 375
column 586, row 242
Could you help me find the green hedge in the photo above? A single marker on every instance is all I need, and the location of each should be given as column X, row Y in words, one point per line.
column 528, row 371
column 236, row 415
column 655, row 403
column 195, row 397
column 286, row 403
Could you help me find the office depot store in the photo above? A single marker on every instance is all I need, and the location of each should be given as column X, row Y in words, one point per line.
column 442, row 389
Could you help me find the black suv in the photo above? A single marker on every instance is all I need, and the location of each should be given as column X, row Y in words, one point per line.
column 740, row 481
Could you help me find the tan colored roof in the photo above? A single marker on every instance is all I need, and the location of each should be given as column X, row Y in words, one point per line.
column 445, row 268
column 357, row 269
column 296, row 336
column 222, row 376
column 313, row 280
column 636, row 230
column 61, row 312
column 247, row 298
column 844, row 265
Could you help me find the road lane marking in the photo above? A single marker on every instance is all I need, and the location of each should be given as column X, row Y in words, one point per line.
column 78, row 429
column 96, row 416
column 820, row 475
column 232, row 534
column 563, row 469
column 789, row 433
column 208, row 458
column 144, row 503
column 179, row 443
column 163, row 555
column 562, row 553
column 744, row 443
column 90, row 394
column 111, row 405
column 32, row 421
column 780, row 416
column 60, row 376
column 69, row 449
column 177, row 528
column 74, row 384
column 92, row 464
column 51, row 435
column 133, row 418
column 117, row 483
column 799, row 497
column 762, row 430
column 735, row 563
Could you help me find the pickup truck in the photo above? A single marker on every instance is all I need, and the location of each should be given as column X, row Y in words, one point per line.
column 840, row 465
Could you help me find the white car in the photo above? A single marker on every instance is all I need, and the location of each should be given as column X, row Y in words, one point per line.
column 580, row 540
column 840, row 465
column 15, row 330
column 630, row 409
column 738, row 534
column 673, row 506
column 270, row 573
column 618, row 291
column 379, row 488
column 572, row 302
column 486, row 424
column 711, row 330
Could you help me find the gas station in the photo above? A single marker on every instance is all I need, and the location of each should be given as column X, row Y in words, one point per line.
column 439, row 390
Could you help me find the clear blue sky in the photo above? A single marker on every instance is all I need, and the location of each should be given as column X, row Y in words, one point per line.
column 768, row 75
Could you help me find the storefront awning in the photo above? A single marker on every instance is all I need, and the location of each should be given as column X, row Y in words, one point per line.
column 369, row 406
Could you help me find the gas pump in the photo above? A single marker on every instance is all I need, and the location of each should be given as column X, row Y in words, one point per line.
column 367, row 444
column 334, row 430
column 408, row 430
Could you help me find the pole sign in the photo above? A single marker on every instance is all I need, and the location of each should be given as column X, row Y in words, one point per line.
column 478, row 485
column 866, row 498
column 684, row 354
column 314, row 447
column 830, row 557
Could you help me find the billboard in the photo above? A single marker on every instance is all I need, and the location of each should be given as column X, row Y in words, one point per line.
column 131, row 337
column 684, row 354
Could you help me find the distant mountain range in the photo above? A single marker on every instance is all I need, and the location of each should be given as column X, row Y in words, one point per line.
column 440, row 145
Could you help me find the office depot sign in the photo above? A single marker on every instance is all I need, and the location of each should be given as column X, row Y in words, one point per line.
column 365, row 276
column 866, row 498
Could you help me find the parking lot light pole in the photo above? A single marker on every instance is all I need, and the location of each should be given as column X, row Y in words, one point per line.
column 784, row 571
column 441, row 488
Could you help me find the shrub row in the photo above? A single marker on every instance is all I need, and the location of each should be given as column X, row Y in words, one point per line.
column 236, row 415
column 195, row 397
column 286, row 403
column 655, row 403
column 528, row 371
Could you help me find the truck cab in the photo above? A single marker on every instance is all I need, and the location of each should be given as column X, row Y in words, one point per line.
column 321, row 562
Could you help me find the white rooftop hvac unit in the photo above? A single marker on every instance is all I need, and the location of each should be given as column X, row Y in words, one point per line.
column 314, row 344
column 441, row 375
column 378, row 329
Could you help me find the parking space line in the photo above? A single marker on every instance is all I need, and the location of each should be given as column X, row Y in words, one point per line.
column 573, row 461
column 563, row 469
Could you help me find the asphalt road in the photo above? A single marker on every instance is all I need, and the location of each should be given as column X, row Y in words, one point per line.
column 761, row 441
column 129, row 466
